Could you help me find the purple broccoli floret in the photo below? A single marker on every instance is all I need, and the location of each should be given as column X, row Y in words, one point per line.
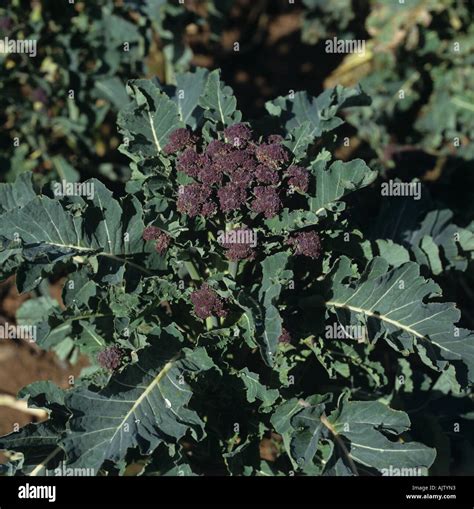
column 162, row 238
column 266, row 201
column 275, row 138
column 210, row 173
column 110, row 358
column 306, row 244
column 238, row 160
column 231, row 197
column 272, row 155
column 179, row 140
column 238, row 244
column 39, row 95
column 151, row 233
column 194, row 200
column 242, row 177
column 190, row 162
column 238, row 135
column 266, row 175
column 285, row 337
column 207, row 303
column 162, row 243
column 298, row 178
column 5, row 23
column 217, row 148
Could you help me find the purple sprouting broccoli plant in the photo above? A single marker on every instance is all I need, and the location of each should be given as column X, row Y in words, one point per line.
column 240, row 321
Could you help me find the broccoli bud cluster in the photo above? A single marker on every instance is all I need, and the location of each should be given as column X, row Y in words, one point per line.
column 234, row 173
column 110, row 358
column 161, row 238
column 207, row 303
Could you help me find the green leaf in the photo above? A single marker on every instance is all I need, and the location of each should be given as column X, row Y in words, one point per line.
column 337, row 181
column 189, row 88
column 147, row 121
column 309, row 429
column 288, row 221
column 219, row 102
column 256, row 390
column 274, row 276
column 113, row 90
column 395, row 304
column 307, row 117
column 141, row 407
column 363, row 424
column 18, row 194
column 50, row 232
column 39, row 445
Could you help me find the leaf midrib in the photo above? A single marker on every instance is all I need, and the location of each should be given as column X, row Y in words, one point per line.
column 163, row 372
column 383, row 318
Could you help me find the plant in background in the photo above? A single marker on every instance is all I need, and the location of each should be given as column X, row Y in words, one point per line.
column 418, row 71
column 59, row 107
column 228, row 297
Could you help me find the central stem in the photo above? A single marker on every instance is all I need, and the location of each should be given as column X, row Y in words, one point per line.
column 233, row 267
column 191, row 268
column 211, row 323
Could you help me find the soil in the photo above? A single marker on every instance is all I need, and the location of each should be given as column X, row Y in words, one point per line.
column 22, row 363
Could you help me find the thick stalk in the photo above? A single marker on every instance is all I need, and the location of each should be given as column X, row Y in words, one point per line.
column 191, row 268
column 211, row 323
column 233, row 267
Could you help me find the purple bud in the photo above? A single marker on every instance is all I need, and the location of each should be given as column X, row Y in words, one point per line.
column 39, row 95
column 194, row 200
column 306, row 244
column 272, row 155
column 238, row 135
column 110, row 358
column 242, row 177
column 162, row 238
column 5, row 23
column 151, row 233
column 298, row 178
column 238, row 244
column 210, row 173
column 266, row 201
column 217, row 148
column 162, row 243
column 207, row 303
column 231, row 197
column 266, row 175
column 284, row 337
column 239, row 160
column 191, row 163
column 179, row 140
column 275, row 138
